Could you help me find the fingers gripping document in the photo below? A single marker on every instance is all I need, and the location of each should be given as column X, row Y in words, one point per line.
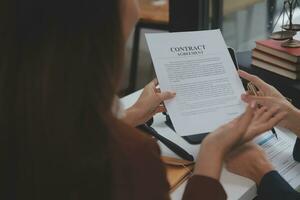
column 198, row 67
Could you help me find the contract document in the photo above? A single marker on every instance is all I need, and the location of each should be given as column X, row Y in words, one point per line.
column 280, row 153
column 198, row 67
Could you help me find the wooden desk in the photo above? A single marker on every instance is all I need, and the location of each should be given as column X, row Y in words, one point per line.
column 150, row 12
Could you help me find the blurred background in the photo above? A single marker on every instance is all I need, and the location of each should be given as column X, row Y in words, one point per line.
column 242, row 23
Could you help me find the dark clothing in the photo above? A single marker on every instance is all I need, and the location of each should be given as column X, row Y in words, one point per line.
column 213, row 189
column 296, row 153
column 274, row 187
column 138, row 172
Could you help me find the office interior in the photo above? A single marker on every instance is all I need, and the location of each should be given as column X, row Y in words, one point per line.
column 242, row 23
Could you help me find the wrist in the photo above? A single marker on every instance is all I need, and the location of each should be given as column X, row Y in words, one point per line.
column 260, row 169
column 209, row 162
column 210, row 144
column 212, row 151
column 132, row 116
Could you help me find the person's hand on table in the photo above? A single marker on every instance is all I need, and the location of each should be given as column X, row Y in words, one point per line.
column 218, row 144
column 249, row 161
column 149, row 103
column 271, row 98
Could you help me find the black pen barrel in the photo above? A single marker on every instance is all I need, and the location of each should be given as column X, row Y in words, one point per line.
column 173, row 147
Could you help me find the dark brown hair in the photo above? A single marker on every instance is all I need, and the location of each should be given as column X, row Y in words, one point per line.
column 60, row 64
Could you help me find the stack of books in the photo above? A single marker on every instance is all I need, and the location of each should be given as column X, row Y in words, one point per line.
column 271, row 56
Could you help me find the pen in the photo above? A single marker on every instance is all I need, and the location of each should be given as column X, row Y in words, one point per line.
column 251, row 87
column 274, row 133
column 171, row 145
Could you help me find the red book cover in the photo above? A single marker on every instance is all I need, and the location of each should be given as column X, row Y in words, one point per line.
column 274, row 44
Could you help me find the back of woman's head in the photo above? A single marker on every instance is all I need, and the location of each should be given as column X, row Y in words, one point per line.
column 59, row 69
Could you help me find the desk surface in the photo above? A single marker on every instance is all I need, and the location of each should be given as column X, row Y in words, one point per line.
column 236, row 187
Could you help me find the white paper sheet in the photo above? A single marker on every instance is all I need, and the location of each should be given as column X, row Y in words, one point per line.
column 280, row 153
column 198, row 67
